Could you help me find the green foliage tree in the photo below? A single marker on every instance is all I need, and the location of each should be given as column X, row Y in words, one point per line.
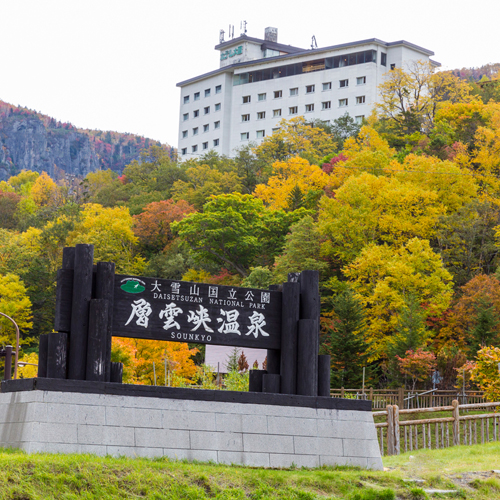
column 344, row 339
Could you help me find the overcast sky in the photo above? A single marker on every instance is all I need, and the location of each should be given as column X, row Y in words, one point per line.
column 113, row 64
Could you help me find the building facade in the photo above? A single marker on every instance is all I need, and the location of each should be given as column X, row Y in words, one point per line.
column 260, row 82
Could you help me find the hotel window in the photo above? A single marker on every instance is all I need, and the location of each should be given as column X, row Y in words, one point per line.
column 309, row 89
column 294, row 91
column 344, row 83
column 184, row 134
column 383, row 59
column 206, row 110
column 326, row 105
column 196, row 96
column 196, row 113
column 276, row 129
column 360, row 80
column 393, row 67
column 194, row 148
column 186, row 99
column 207, row 92
column 360, row 99
column 218, row 89
column 217, row 107
column 309, row 108
column 327, row 86
column 245, row 136
column 216, row 142
column 184, row 151
column 293, row 110
column 216, row 124
column 359, row 119
column 342, row 103
column 246, row 99
column 261, row 97
column 185, row 116
column 278, row 94
column 261, row 115
column 195, row 131
column 206, row 128
column 261, row 134
column 205, row 145
column 276, row 112
column 245, row 118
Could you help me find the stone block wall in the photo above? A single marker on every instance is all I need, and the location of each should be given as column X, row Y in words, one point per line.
column 262, row 435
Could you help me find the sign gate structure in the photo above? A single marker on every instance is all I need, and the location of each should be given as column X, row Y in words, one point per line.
column 93, row 305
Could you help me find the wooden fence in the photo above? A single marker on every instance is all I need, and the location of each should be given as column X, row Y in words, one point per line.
column 398, row 436
column 407, row 399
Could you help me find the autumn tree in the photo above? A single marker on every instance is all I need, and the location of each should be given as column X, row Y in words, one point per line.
column 152, row 226
column 44, row 191
column 295, row 138
column 8, row 206
column 110, row 231
column 417, row 365
column 203, row 182
column 410, row 97
column 383, row 277
column 14, row 302
column 288, row 176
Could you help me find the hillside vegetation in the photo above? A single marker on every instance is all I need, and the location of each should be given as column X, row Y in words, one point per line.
column 401, row 216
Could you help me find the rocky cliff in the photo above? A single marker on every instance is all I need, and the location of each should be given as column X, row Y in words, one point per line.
column 32, row 141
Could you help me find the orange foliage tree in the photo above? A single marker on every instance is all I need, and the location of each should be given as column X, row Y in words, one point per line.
column 138, row 356
column 152, row 226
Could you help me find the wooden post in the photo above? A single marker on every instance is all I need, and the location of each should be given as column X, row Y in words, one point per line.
column 64, row 291
column 307, row 358
column 395, row 410
column 43, row 350
column 7, row 374
column 105, row 280
column 271, row 383
column 255, row 380
column 401, row 398
column 456, row 423
column 390, row 430
column 116, row 372
column 57, row 354
column 273, row 361
column 310, row 308
column 342, row 391
column 82, row 293
column 97, row 340
column 324, row 376
column 371, row 396
column 289, row 338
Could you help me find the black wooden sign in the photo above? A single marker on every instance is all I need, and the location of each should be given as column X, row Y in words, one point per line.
column 182, row 311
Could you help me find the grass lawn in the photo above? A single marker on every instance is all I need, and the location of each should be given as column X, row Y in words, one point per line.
column 44, row 476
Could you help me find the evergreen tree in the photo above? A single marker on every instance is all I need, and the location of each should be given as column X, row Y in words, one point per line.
column 345, row 342
column 484, row 333
column 232, row 360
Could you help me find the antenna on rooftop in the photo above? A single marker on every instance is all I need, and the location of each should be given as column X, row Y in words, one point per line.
column 314, row 45
column 221, row 36
column 243, row 26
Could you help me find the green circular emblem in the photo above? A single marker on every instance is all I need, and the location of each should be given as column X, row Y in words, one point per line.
column 132, row 286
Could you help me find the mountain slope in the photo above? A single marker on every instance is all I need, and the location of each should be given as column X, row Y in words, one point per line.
column 31, row 140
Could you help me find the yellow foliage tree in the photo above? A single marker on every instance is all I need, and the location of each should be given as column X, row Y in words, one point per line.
column 110, row 231
column 287, row 176
column 29, row 370
column 369, row 209
column 14, row 302
column 385, row 278
column 44, row 191
column 295, row 138
column 141, row 354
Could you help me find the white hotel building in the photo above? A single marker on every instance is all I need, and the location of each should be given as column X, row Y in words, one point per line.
column 259, row 82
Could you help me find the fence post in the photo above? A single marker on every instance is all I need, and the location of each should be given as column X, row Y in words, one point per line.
column 371, row 396
column 395, row 416
column 341, row 392
column 390, row 430
column 456, row 423
column 401, row 397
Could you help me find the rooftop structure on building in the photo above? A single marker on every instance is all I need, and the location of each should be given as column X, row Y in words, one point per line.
column 260, row 81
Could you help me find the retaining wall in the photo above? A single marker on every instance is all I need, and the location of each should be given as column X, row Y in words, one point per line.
column 247, row 433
